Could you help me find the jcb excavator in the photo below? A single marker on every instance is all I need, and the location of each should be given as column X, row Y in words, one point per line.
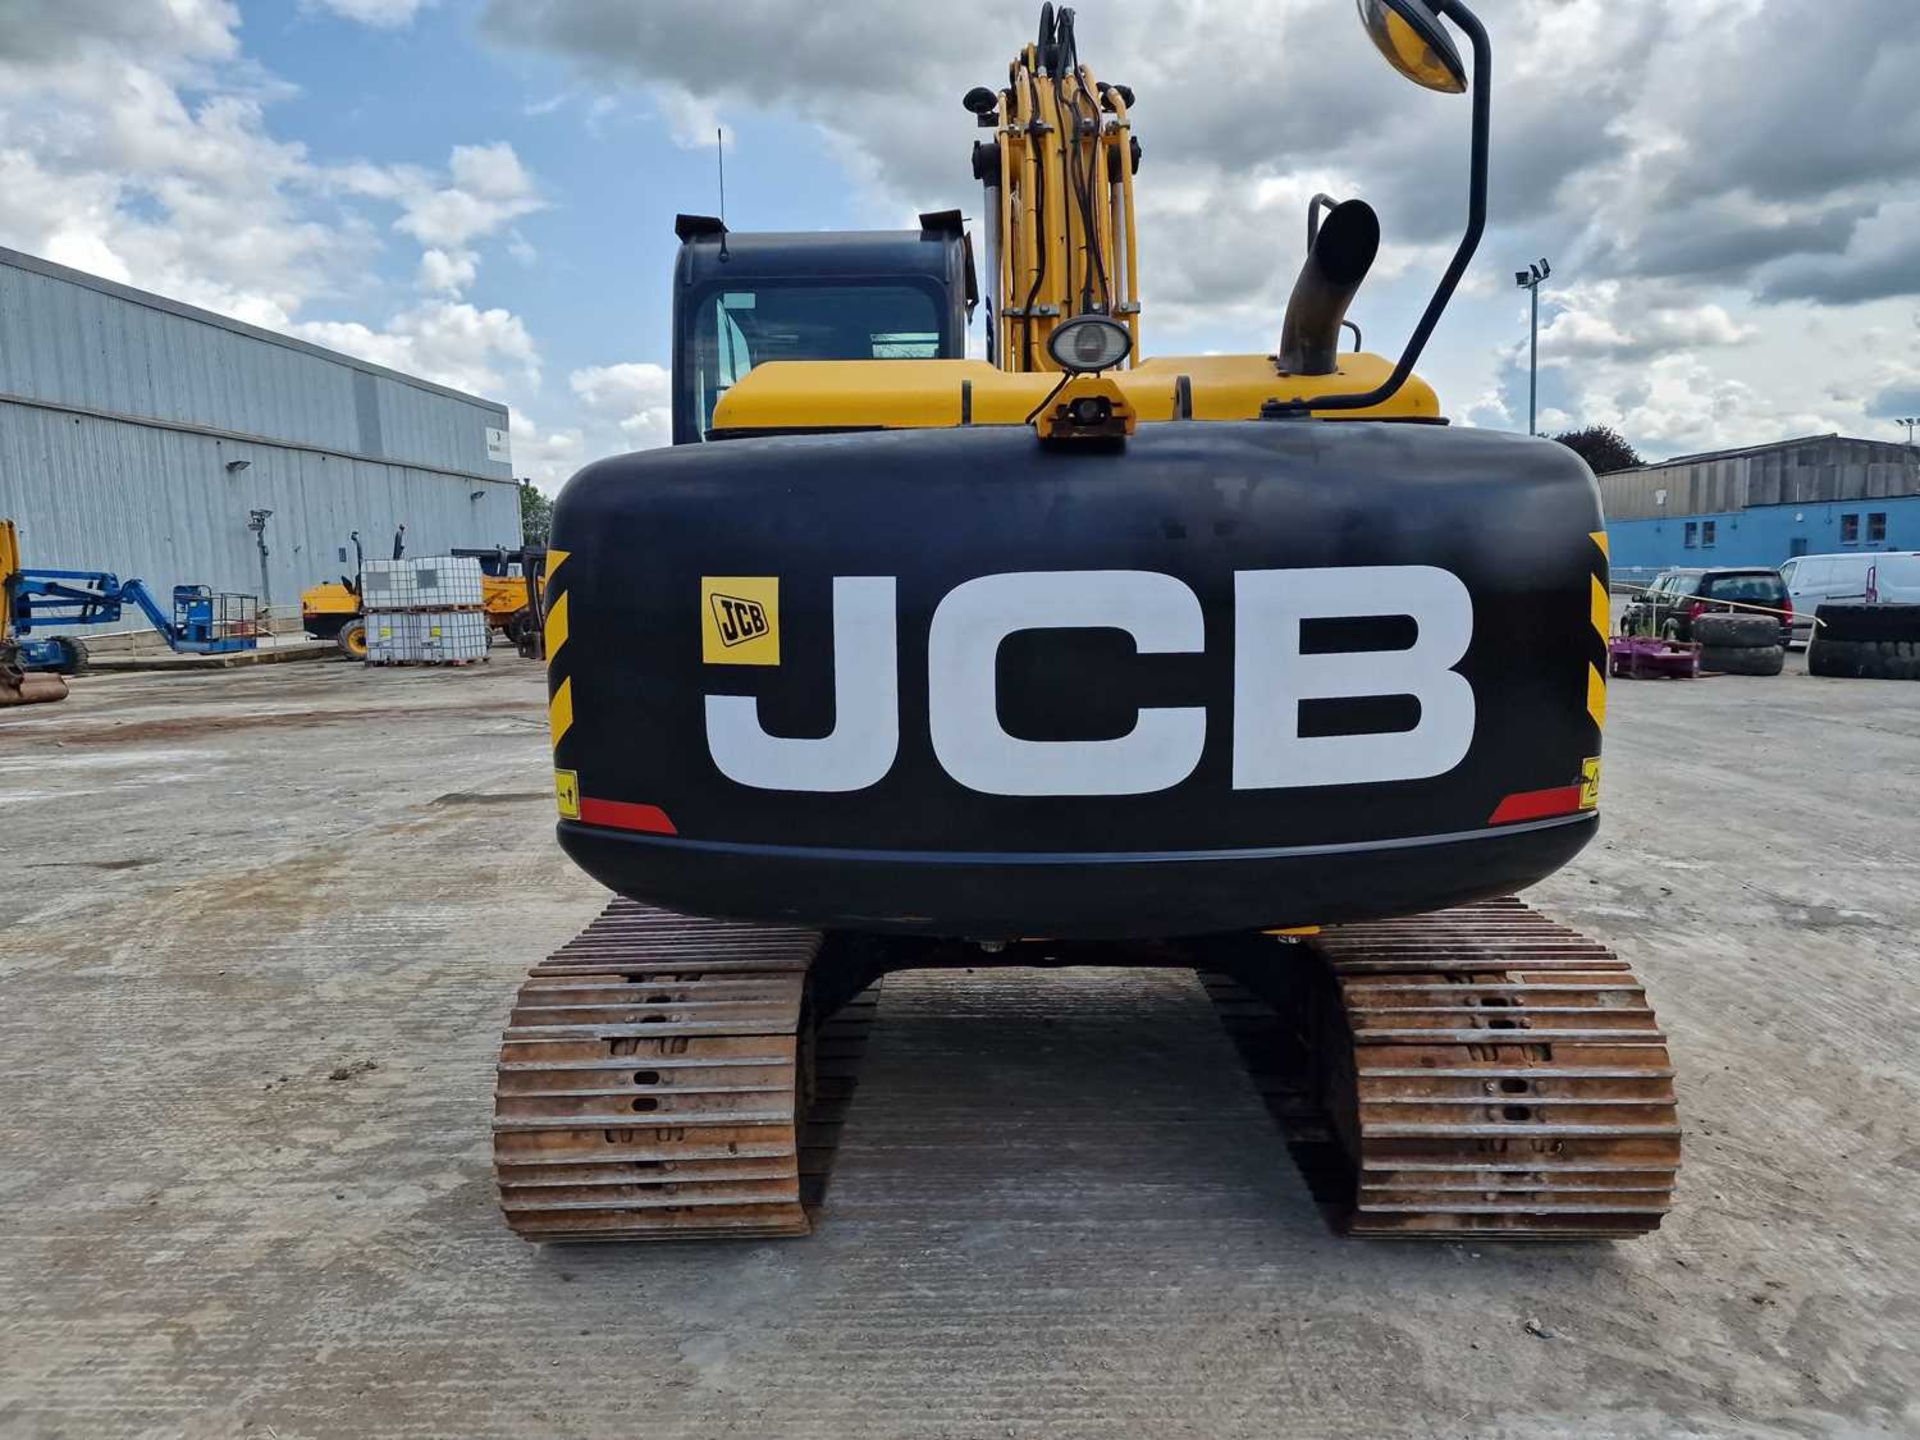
column 1250, row 664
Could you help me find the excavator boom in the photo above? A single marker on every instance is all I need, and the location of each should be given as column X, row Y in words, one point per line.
column 1059, row 198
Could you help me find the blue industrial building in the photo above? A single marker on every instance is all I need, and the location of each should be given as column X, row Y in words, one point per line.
column 1821, row 495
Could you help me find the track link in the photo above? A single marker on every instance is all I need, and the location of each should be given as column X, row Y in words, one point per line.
column 1491, row 1072
column 656, row 1082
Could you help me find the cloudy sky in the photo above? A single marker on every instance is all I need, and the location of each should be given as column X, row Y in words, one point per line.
column 482, row 191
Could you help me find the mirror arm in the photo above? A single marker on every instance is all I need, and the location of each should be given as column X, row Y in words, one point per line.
column 1457, row 11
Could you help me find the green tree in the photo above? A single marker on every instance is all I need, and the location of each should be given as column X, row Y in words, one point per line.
column 1602, row 447
column 536, row 514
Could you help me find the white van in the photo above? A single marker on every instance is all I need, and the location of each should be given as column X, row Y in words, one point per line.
column 1887, row 577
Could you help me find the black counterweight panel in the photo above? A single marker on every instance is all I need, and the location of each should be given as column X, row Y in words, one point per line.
column 1202, row 506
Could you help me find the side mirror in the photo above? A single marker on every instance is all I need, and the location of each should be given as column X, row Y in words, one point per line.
column 1415, row 43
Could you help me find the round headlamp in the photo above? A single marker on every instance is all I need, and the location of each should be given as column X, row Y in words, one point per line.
column 1089, row 343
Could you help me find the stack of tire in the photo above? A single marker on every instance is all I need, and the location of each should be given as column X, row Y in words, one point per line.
column 1740, row 644
column 1866, row 642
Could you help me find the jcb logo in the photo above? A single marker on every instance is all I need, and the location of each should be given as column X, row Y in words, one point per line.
column 1272, row 676
column 739, row 620
column 742, row 620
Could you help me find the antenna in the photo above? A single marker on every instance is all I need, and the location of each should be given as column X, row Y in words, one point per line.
column 720, row 155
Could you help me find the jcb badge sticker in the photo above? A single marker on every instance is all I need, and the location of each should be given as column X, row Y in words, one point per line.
column 740, row 619
column 1590, row 784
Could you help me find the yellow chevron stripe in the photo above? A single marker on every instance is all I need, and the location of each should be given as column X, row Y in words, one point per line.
column 1599, row 537
column 556, row 627
column 555, row 559
column 1602, row 612
column 560, row 710
column 1596, row 695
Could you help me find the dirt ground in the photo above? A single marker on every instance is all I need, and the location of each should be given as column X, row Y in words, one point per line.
column 260, row 934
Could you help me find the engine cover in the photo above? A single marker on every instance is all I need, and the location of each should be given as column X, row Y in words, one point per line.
column 956, row 682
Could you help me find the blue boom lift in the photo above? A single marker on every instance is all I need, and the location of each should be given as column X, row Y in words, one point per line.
column 200, row 623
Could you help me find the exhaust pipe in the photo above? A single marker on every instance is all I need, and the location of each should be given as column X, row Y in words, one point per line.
column 1339, row 256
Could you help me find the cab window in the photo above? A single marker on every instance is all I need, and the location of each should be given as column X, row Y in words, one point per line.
column 737, row 329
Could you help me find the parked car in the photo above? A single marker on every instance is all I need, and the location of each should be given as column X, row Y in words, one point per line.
column 1668, row 607
column 1885, row 577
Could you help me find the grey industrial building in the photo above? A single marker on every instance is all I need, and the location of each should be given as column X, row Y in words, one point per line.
column 140, row 436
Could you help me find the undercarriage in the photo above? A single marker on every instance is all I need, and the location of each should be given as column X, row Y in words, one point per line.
column 1479, row 1071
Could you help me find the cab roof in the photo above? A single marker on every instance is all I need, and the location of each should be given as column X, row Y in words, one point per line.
column 709, row 251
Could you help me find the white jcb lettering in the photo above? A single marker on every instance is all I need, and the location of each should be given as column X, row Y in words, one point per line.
column 963, row 646
column 866, row 707
column 1271, row 676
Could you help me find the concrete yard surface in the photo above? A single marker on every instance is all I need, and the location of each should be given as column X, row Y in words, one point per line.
column 261, row 934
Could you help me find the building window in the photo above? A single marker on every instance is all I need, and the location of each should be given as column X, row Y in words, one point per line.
column 1849, row 529
column 1707, row 528
column 1876, row 527
column 1693, row 535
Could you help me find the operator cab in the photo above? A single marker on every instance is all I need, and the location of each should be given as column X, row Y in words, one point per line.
column 740, row 300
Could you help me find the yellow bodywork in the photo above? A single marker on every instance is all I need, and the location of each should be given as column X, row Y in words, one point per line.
column 330, row 599
column 9, row 563
column 921, row 394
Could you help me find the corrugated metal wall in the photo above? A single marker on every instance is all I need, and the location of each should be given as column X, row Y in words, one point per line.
column 74, row 339
column 120, row 413
column 161, row 504
column 1800, row 472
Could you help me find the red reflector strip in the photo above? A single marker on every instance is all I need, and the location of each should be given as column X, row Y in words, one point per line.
column 1537, row 805
column 618, row 815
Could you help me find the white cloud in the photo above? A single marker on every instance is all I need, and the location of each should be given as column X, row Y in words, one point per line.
column 382, row 14
column 693, row 122
column 547, row 457
column 635, row 399
column 451, row 343
column 620, row 408
column 484, row 190
column 448, row 272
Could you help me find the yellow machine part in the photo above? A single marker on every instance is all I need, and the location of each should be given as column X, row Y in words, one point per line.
column 1042, row 256
column 330, row 599
column 504, row 596
column 924, row 394
column 9, row 563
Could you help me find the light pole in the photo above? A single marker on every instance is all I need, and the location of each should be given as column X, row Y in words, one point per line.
column 257, row 523
column 1529, row 279
column 1909, row 421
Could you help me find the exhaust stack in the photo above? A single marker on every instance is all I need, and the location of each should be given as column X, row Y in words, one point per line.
column 1339, row 256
